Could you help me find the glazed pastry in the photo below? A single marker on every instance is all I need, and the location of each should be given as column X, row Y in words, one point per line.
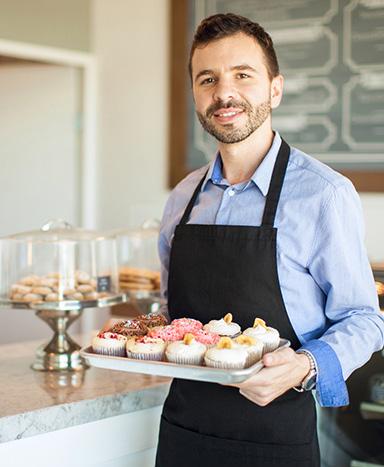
column 186, row 352
column 226, row 354
column 153, row 320
column 109, row 343
column 223, row 327
column 270, row 337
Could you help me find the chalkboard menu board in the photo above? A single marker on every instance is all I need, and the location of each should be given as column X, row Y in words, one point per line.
column 331, row 53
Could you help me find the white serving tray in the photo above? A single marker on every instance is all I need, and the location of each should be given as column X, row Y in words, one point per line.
column 173, row 370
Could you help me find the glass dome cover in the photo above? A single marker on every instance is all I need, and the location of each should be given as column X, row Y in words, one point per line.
column 138, row 260
column 56, row 263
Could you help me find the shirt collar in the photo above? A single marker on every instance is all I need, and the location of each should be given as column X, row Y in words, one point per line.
column 262, row 175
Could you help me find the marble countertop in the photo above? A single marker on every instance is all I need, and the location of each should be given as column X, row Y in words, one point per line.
column 33, row 402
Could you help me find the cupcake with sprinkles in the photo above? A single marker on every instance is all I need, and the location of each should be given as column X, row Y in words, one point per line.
column 187, row 325
column 269, row 336
column 168, row 333
column 130, row 328
column 225, row 327
column 109, row 343
column 186, row 352
column 207, row 338
column 145, row 348
column 153, row 320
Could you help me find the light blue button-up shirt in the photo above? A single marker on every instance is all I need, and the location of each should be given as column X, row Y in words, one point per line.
column 324, row 274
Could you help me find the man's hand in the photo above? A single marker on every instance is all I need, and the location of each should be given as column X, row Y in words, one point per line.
column 283, row 370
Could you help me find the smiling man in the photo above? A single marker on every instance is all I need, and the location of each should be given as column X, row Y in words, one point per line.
column 263, row 231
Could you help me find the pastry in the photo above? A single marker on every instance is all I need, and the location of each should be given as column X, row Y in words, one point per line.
column 223, row 326
column 270, row 337
column 145, row 348
column 226, row 354
column 186, row 352
column 109, row 343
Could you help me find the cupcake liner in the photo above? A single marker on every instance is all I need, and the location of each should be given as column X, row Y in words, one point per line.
column 185, row 359
column 223, row 365
column 253, row 357
column 110, row 351
column 270, row 346
column 158, row 356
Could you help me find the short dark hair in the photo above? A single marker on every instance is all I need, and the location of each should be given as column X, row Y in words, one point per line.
column 218, row 26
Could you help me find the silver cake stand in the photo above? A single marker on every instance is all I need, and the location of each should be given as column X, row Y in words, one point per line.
column 61, row 352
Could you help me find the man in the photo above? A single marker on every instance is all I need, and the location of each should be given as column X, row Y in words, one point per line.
column 263, row 231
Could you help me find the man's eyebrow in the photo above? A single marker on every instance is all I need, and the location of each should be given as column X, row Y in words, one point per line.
column 242, row 67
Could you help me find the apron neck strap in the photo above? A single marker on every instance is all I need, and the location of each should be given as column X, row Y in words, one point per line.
column 274, row 190
column 192, row 201
column 276, row 185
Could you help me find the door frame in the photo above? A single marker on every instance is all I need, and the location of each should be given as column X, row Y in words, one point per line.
column 87, row 64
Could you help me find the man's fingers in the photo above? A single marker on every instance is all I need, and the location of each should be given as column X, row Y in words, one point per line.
column 278, row 357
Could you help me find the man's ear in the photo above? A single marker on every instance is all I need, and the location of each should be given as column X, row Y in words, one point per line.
column 277, row 85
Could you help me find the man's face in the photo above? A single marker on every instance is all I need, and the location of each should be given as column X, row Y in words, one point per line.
column 231, row 87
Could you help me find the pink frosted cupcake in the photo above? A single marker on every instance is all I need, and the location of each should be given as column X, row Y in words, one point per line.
column 109, row 343
column 207, row 338
column 187, row 324
column 168, row 333
column 145, row 348
column 186, row 352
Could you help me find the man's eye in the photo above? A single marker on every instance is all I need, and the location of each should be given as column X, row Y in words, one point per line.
column 243, row 76
column 207, row 81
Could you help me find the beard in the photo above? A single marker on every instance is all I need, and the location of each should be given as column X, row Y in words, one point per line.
column 228, row 134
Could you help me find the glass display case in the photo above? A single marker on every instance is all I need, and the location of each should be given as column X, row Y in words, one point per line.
column 58, row 271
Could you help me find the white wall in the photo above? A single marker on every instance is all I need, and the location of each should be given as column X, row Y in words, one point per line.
column 373, row 207
column 130, row 40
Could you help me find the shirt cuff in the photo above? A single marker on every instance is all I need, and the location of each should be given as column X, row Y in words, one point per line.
column 331, row 389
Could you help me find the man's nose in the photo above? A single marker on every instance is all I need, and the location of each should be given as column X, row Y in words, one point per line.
column 224, row 90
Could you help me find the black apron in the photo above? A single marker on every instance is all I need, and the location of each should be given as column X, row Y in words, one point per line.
column 216, row 269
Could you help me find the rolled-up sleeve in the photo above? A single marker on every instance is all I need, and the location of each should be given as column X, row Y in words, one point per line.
column 340, row 266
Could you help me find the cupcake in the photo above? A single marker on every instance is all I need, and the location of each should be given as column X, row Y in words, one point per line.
column 207, row 338
column 153, row 320
column 109, row 343
column 130, row 328
column 186, row 352
column 145, row 348
column 167, row 333
column 270, row 337
column 187, row 324
column 223, row 326
column 226, row 354
column 253, row 346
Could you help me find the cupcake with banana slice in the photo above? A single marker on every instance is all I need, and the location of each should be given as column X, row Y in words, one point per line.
column 186, row 352
column 225, row 327
column 253, row 346
column 269, row 336
column 226, row 354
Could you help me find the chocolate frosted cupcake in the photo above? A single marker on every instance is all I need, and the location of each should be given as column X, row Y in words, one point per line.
column 270, row 337
column 109, row 343
column 223, row 327
column 130, row 328
column 153, row 320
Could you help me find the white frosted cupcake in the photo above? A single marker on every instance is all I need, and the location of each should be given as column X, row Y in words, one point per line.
column 253, row 346
column 145, row 348
column 186, row 352
column 226, row 354
column 270, row 337
column 224, row 326
column 109, row 343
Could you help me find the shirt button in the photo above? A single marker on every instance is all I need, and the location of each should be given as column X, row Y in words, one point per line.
column 231, row 192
